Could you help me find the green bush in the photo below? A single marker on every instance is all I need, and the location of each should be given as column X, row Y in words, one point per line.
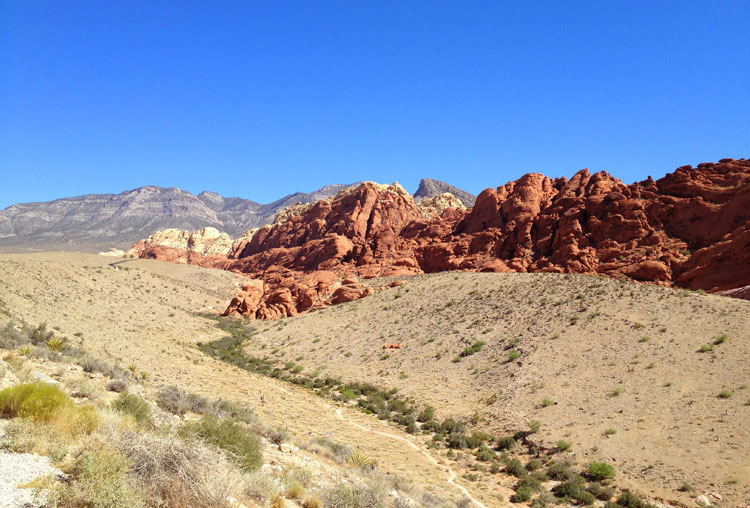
column 575, row 488
column 242, row 446
column 534, row 464
column 600, row 471
column 563, row 446
column 560, row 471
column 427, row 414
column 629, row 500
column 515, row 467
column 135, row 406
column 601, row 492
column 505, row 443
column 36, row 401
column 522, row 495
column 474, row 348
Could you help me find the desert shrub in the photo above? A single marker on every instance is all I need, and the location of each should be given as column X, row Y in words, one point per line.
column 361, row 460
column 449, row 426
column 336, row 451
column 99, row 480
column 600, row 471
column 485, row 454
column 36, row 401
column 544, row 500
column 456, row 440
column 135, row 406
column 534, row 464
column 84, row 388
column 27, row 436
column 534, row 426
column 560, row 471
column 563, row 445
column 601, row 492
column 515, row 467
column 629, row 500
column 179, row 473
column 278, row 502
column 586, row 497
column 529, row 482
column 474, row 348
column 276, row 436
column 312, row 502
column 10, row 338
column 522, row 495
column 259, row 487
column 118, row 385
column 360, row 496
column 242, row 446
column 222, row 408
column 90, row 364
column 426, row 414
column 294, row 490
column 430, row 500
column 297, row 475
column 39, row 335
column 574, row 488
column 178, row 401
column 506, row 443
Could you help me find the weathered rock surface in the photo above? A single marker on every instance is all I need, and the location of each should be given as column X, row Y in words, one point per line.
column 690, row 229
column 436, row 205
column 429, row 188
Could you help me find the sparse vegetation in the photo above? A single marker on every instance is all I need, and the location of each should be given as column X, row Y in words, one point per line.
column 600, row 471
column 241, row 445
column 133, row 405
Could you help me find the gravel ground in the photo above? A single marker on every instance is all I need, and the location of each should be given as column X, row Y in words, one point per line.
column 17, row 469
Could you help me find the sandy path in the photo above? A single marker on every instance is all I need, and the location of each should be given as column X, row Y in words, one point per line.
column 451, row 474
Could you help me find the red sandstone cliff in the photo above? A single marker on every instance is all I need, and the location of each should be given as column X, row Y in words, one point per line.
column 690, row 228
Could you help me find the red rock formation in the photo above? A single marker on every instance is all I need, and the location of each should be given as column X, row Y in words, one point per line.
column 690, row 228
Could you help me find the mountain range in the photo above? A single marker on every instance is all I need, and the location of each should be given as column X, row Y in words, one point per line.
column 96, row 221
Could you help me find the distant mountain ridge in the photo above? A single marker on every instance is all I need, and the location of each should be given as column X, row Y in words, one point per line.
column 96, row 221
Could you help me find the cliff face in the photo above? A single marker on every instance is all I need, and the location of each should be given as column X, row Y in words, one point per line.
column 690, row 229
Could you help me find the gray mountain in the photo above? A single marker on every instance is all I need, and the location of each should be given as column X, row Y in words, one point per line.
column 97, row 221
column 429, row 187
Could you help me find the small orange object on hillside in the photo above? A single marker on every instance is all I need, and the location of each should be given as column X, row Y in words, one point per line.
column 396, row 345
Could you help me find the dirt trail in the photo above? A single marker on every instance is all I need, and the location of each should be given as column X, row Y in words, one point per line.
column 451, row 473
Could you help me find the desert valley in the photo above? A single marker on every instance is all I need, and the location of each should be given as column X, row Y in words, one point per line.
column 562, row 341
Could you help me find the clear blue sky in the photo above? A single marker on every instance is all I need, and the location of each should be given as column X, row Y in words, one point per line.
column 260, row 99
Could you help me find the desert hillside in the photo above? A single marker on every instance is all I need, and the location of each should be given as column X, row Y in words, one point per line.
column 581, row 354
column 144, row 314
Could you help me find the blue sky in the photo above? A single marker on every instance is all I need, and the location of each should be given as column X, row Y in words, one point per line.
column 260, row 99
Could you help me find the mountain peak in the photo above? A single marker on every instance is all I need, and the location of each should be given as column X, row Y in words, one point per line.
column 429, row 188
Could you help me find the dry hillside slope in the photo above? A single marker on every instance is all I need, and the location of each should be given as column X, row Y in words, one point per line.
column 144, row 313
column 606, row 354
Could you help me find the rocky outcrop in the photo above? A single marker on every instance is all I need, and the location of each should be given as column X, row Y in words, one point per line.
column 115, row 253
column 204, row 247
column 436, row 205
column 430, row 188
column 690, row 229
